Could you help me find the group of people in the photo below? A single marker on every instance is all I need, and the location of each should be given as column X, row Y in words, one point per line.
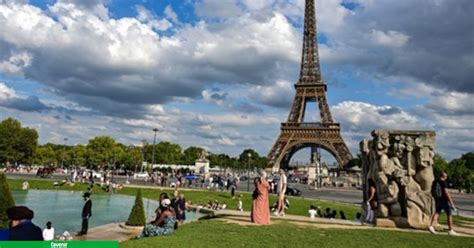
column 169, row 214
column 328, row 213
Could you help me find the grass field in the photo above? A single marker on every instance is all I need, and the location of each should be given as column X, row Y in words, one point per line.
column 215, row 233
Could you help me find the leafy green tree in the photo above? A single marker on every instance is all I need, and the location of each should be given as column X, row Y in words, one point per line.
column 439, row 164
column 255, row 159
column 132, row 158
column 101, row 151
column 17, row 144
column 6, row 202
column 459, row 173
column 80, row 155
column 469, row 157
column 191, row 154
column 137, row 215
column 355, row 162
column 165, row 153
column 45, row 155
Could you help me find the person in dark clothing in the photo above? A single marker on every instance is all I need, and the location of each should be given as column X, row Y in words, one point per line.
column 180, row 208
column 443, row 202
column 86, row 214
column 328, row 214
column 21, row 227
column 343, row 216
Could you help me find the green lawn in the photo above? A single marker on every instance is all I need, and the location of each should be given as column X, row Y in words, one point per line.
column 215, row 233
column 298, row 205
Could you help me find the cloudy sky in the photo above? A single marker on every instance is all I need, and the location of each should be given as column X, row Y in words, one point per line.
column 220, row 73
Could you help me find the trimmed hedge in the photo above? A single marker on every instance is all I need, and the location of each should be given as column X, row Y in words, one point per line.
column 6, row 202
column 137, row 216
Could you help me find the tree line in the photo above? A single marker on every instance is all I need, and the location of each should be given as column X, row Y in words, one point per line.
column 19, row 145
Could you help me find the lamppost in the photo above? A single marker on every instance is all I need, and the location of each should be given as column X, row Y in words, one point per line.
column 153, row 152
column 249, row 155
column 62, row 154
column 143, row 151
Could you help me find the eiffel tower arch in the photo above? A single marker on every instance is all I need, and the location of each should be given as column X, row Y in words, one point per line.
column 295, row 134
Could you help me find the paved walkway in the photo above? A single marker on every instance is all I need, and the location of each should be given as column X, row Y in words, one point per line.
column 111, row 231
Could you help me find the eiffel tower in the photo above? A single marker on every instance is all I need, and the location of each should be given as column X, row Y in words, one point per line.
column 296, row 134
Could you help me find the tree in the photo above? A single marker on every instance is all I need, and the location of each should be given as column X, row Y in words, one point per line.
column 355, row 162
column 132, row 158
column 165, row 153
column 191, row 154
column 45, row 155
column 469, row 157
column 439, row 164
column 17, row 144
column 6, row 202
column 101, row 151
column 137, row 215
column 255, row 159
column 459, row 173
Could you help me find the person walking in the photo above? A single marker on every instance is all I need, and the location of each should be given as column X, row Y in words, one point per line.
column 443, row 202
column 260, row 212
column 282, row 184
column 371, row 203
column 86, row 214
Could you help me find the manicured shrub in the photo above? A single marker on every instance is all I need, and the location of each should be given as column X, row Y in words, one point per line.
column 137, row 216
column 6, row 202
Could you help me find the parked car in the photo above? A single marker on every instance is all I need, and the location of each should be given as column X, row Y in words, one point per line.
column 140, row 175
column 96, row 175
column 244, row 178
column 292, row 191
column 192, row 177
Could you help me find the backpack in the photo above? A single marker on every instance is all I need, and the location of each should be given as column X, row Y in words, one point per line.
column 436, row 190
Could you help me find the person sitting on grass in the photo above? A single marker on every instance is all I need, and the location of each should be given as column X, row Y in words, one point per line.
column 165, row 225
column 327, row 214
column 334, row 214
column 312, row 212
column 343, row 216
column 357, row 218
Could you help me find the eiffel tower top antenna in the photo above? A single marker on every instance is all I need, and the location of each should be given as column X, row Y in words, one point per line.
column 310, row 72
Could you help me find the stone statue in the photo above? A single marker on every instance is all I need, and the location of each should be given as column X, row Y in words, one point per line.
column 203, row 155
column 400, row 164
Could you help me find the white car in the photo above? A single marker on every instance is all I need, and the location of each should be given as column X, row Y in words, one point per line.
column 140, row 175
column 96, row 175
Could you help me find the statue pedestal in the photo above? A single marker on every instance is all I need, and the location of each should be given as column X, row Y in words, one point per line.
column 393, row 222
column 201, row 166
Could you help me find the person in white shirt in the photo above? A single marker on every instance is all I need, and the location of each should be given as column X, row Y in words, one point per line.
column 48, row 232
column 239, row 204
column 25, row 185
column 312, row 212
column 282, row 184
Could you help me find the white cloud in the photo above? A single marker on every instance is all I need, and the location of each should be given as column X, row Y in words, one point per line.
column 16, row 63
column 390, row 38
column 6, row 93
column 170, row 14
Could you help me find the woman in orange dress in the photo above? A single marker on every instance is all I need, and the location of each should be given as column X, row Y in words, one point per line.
column 260, row 213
